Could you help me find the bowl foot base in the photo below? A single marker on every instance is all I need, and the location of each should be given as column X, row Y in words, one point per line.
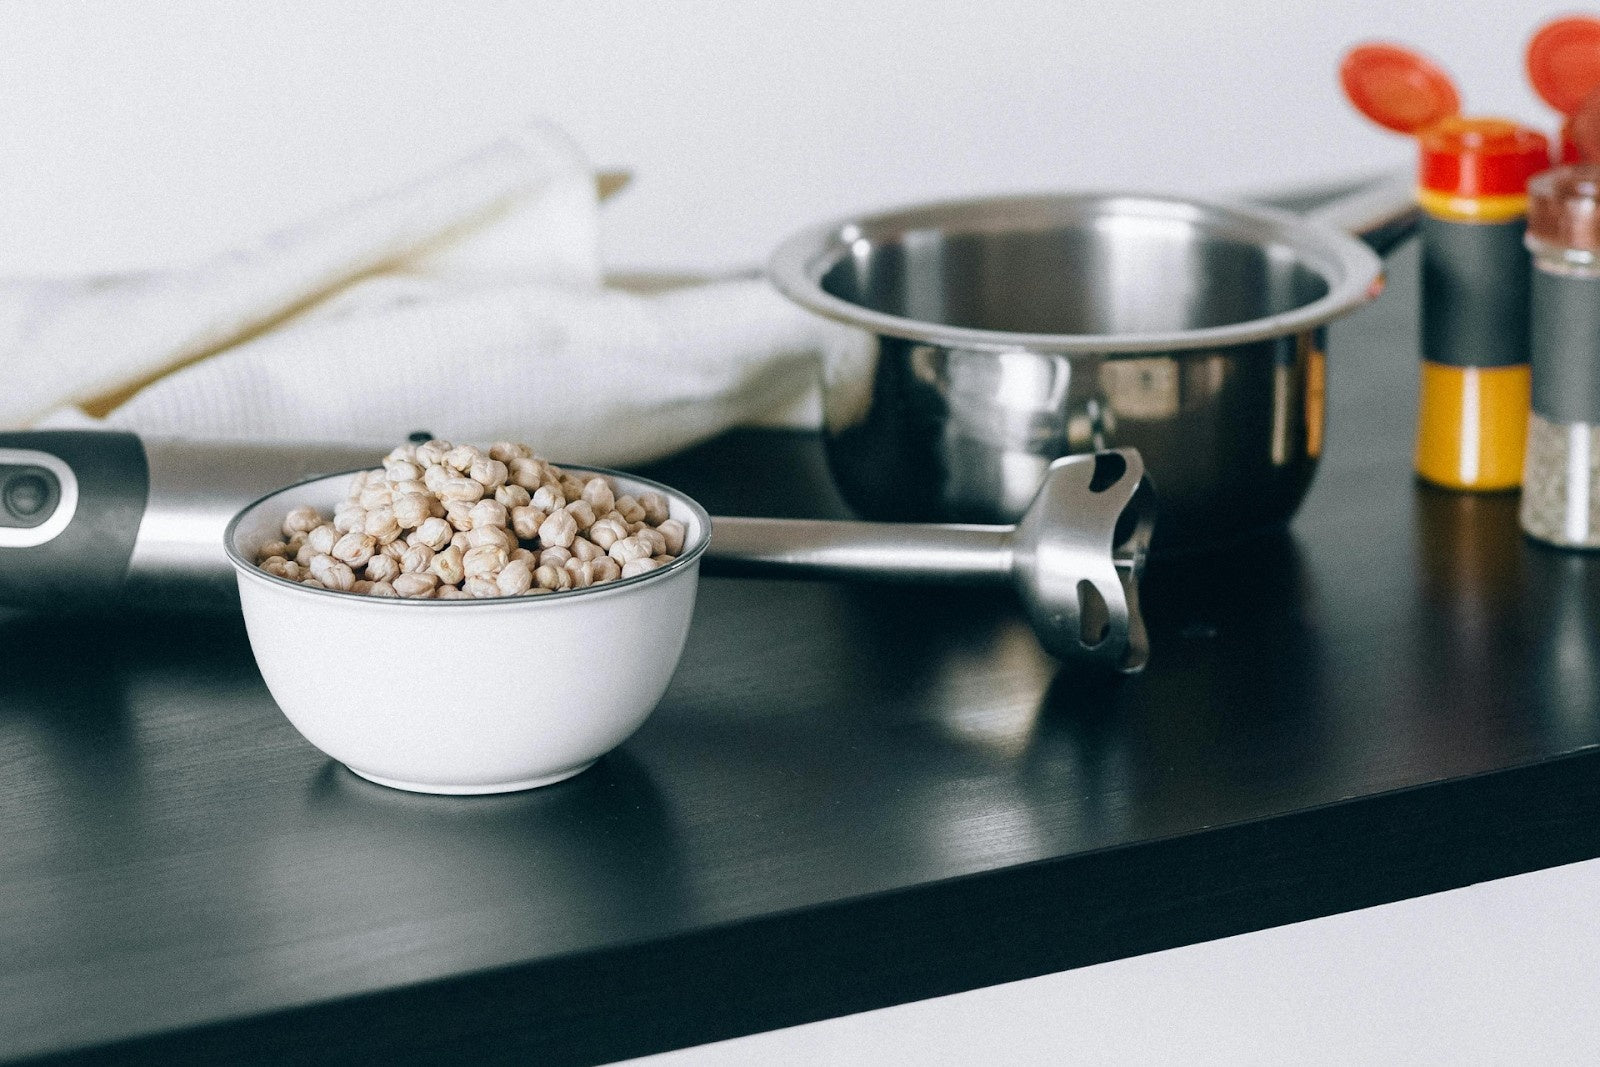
column 472, row 790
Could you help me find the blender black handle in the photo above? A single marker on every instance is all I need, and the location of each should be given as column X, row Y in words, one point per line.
column 71, row 503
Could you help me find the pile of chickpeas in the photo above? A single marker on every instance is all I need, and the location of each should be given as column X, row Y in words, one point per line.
column 449, row 522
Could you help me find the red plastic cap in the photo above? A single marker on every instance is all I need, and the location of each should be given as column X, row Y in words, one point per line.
column 1564, row 61
column 1397, row 88
column 1481, row 157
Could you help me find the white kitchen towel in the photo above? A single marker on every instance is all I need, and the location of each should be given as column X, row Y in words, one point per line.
column 469, row 304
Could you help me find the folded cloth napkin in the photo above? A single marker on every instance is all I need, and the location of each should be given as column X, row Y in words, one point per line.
column 470, row 303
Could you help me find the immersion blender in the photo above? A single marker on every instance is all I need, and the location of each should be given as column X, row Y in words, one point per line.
column 90, row 520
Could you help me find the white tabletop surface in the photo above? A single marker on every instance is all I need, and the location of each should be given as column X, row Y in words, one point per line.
column 1502, row 972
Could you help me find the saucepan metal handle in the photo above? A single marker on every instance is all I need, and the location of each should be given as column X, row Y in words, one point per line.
column 1382, row 214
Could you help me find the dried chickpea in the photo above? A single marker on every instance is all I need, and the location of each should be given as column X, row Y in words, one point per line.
column 654, row 538
column 274, row 548
column 435, row 533
column 675, row 532
column 381, row 568
column 349, row 517
column 447, row 566
column 402, row 471
column 355, row 549
column 322, row 538
column 481, row 588
column 304, row 554
column 513, row 496
column 630, row 509
column 524, row 554
column 597, row 494
column 488, row 512
column 514, row 578
column 585, row 549
column 629, row 549
column 395, row 550
column 484, row 561
column 490, row 473
column 461, row 457
column 526, row 472
column 451, row 592
column 462, row 540
column 376, row 495
column 381, row 524
column 663, row 560
column 492, row 535
column 416, row 586
column 559, row 529
column 462, row 489
column 607, row 532
column 331, row 573
column 582, row 513
column 655, row 508
column 526, row 520
column 400, row 489
column 638, row 566
column 412, row 510
column 361, row 587
column 553, row 578
column 431, row 453
column 382, row 589
column 459, row 514
column 417, row 560
column 282, row 568
column 313, row 583
column 554, row 557
column 302, row 519
column 435, row 476
column 548, row 498
column 506, row 451
column 571, row 485
column 605, row 569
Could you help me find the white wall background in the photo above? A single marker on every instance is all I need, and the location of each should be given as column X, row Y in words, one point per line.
column 135, row 132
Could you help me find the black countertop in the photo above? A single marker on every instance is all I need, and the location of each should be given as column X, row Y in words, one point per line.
column 850, row 797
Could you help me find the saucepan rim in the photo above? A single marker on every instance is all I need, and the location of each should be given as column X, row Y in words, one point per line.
column 1352, row 271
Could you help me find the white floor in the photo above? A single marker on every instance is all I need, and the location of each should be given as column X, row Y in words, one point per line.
column 1502, row 972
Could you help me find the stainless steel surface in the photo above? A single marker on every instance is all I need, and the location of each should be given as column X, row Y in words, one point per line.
column 195, row 490
column 986, row 338
column 1074, row 559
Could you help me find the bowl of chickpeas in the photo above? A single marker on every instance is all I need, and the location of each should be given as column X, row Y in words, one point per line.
column 468, row 620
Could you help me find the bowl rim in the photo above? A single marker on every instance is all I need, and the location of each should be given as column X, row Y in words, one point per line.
column 1352, row 271
column 246, row 569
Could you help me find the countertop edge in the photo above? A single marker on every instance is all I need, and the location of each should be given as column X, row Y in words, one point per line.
column 939, row 938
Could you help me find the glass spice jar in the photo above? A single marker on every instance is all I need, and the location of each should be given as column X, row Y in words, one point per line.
column 1561, row 476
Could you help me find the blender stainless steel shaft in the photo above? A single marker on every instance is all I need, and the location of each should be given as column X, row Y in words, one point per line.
column 1074, row 559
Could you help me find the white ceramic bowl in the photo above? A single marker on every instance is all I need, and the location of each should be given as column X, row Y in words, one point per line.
column 465, row 696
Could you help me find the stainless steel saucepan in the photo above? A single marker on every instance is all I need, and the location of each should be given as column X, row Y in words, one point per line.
column 989, row 337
